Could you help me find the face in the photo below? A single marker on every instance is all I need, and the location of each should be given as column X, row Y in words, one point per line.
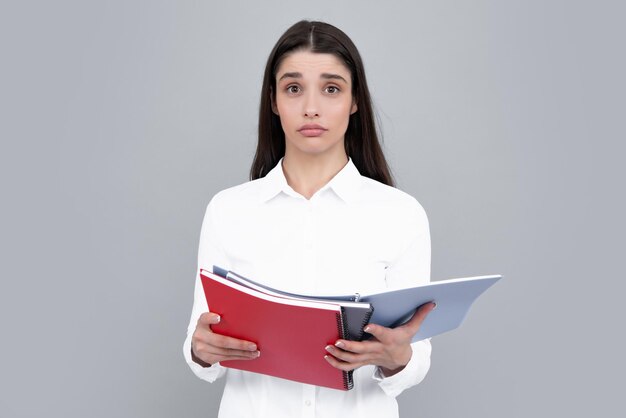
column 314, row 102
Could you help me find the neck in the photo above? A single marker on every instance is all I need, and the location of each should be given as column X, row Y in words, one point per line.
column 307, row 174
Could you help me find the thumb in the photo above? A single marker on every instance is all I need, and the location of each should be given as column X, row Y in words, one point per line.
column 209, row 318
column 413, row 325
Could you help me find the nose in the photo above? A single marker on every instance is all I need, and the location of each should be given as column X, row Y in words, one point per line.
column 311, row 105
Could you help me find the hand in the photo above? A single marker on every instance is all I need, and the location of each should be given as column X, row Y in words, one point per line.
column 390, row 348
column 208, row 348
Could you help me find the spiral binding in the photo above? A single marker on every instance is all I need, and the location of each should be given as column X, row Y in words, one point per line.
column 348, row 380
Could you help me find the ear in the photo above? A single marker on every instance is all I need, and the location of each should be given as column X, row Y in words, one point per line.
column 274, row 107
column 354, row 108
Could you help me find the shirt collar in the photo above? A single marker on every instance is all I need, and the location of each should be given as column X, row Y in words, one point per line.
column 345, row 184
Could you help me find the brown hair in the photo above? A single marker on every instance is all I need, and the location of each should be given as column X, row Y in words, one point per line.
column 361, row 138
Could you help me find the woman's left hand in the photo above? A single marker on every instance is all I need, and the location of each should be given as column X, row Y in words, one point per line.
column 390, row 348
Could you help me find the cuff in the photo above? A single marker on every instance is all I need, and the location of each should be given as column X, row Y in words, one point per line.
column 210, row 374
column 413, row 373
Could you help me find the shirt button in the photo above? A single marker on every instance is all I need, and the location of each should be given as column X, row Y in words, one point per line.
column 307, row 402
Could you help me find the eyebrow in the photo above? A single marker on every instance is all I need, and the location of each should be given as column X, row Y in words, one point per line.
column 326, row 76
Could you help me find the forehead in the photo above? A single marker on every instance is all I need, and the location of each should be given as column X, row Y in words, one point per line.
column 312, row 64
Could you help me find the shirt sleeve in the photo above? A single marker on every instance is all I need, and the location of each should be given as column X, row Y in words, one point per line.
column 411, row 268
column 210, row 253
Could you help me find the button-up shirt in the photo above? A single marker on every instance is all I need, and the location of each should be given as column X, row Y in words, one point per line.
column 353, row 235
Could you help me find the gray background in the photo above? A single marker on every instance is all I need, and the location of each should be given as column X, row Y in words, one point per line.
column 121, row 119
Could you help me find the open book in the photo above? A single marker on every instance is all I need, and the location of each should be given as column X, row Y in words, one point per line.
column 291, row 331
column 391, row 308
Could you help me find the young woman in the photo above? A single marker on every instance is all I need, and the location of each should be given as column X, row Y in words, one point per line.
column 319, row 216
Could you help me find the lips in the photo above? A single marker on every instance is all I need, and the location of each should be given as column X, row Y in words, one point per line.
column 311, row 130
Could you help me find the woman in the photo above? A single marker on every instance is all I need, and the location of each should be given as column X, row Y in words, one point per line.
column 319, row 216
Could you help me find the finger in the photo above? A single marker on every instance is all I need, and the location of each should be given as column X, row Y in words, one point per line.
column 413, row 325
column 341, row 365
column 203, row 349
column 351, row 357
column 224, row 341
column 236, row 358
column 378, row 331
column 212, row 358
column 209, row 318
column 225, row 352
column 342, row 355
column 356, row 346
column 206, row 336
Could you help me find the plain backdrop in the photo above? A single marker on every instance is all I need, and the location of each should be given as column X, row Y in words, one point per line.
column 121, row 119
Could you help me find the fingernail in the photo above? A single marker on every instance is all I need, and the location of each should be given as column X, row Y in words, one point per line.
column 252, row 347
column 218, row 318
column 258, row 354
column 339, row 344
column 367, row 329
column 329, row 348
column 434, row 306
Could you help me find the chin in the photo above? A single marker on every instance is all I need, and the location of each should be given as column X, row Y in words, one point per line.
column 314, row 151
column 315, row 146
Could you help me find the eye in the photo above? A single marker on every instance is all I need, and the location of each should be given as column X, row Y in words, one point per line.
column 293, row 89
column 332, row 89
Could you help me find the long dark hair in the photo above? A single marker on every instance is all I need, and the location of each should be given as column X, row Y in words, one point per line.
column 361, row 139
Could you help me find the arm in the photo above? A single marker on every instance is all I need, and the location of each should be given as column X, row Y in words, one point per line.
column 203, row 349
column 400, row 364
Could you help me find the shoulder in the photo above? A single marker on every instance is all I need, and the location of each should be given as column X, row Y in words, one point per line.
column 379, row 194
column 240, row 195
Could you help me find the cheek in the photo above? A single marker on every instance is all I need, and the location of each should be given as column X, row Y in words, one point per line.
column 345, row 106
column 342, row 113
column 286, row 108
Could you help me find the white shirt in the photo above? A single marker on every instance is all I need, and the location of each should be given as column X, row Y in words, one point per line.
column 354, row 235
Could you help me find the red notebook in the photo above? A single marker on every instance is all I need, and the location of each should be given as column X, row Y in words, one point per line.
column 290, row 334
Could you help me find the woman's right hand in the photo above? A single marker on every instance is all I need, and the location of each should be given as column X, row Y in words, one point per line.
column 208, row 348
